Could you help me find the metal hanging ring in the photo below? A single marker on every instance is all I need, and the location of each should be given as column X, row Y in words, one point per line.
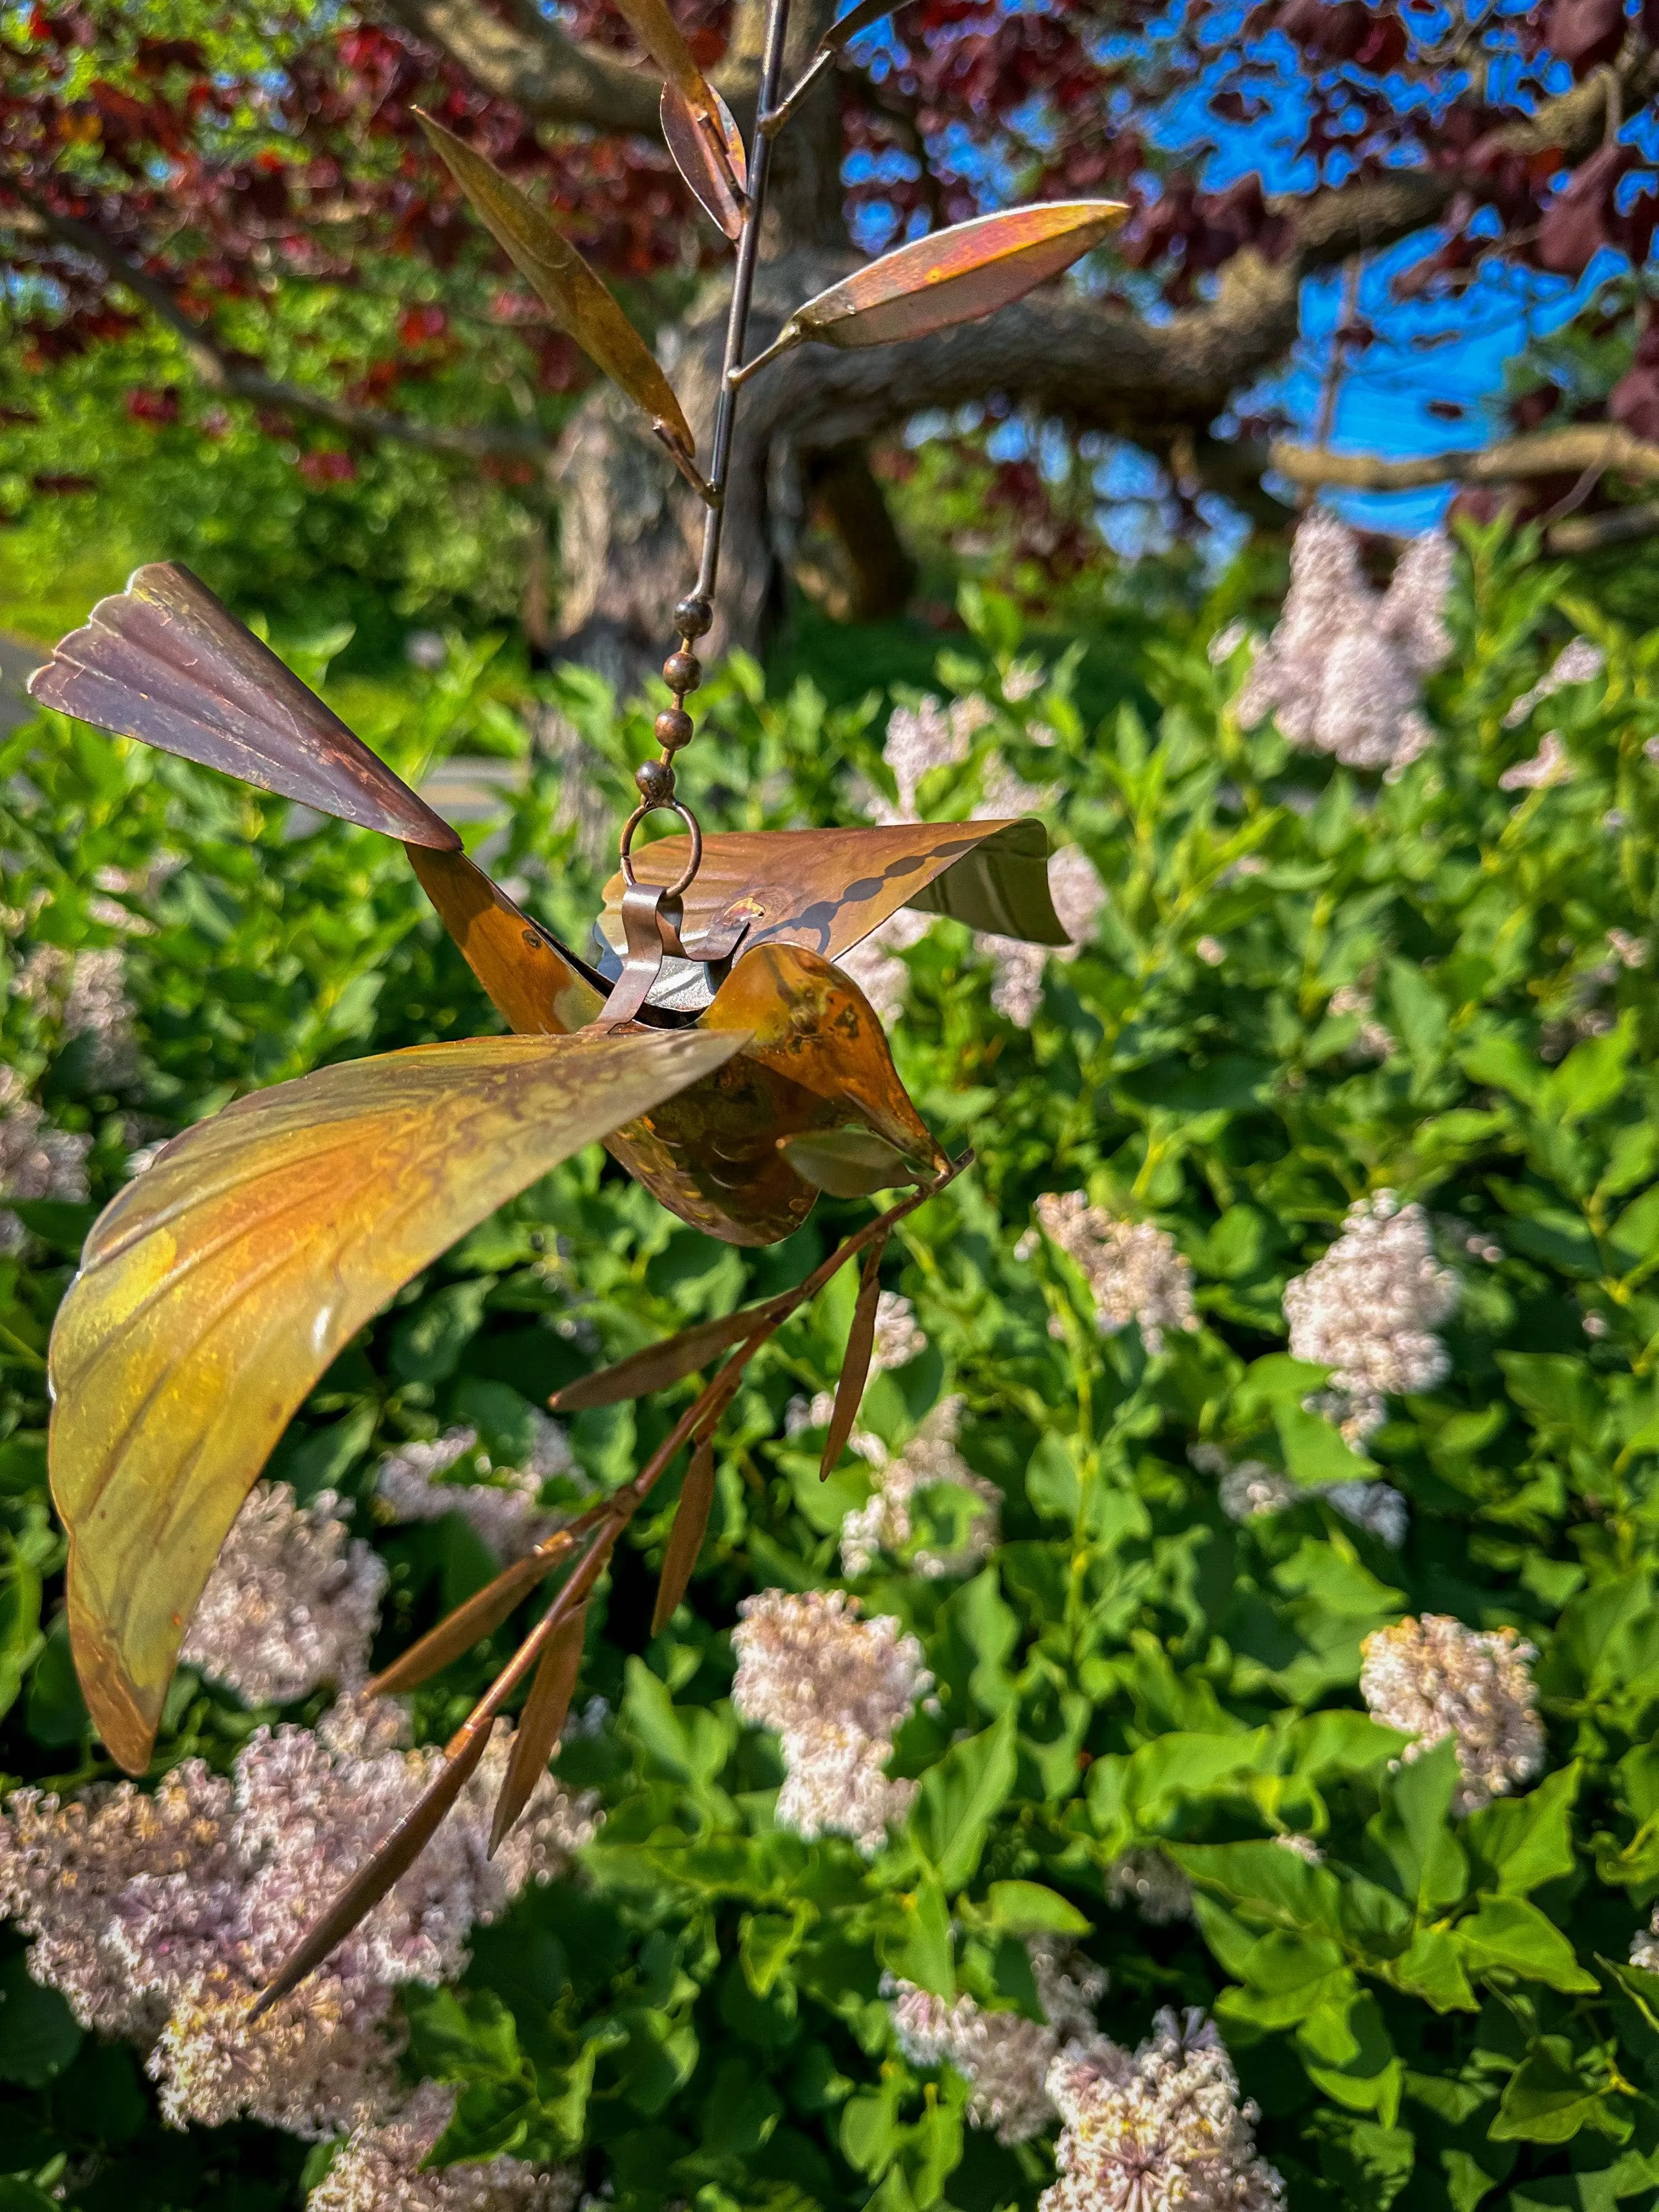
column 672, row 806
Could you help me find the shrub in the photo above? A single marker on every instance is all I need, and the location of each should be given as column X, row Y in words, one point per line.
column 1391, row 1040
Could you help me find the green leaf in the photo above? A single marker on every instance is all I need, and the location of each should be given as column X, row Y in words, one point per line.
column 1313, row 1450
column 1516, row 1844
column 1592, row 1075
column 1026, row 1908
column 958, row 1799
column 39, row 2033
column 1545, row 2100
column 1510, row 1932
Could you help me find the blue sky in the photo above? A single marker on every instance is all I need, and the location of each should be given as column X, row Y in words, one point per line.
column 1454, row 349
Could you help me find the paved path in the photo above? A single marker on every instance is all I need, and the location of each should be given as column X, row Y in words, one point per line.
column 16, row 661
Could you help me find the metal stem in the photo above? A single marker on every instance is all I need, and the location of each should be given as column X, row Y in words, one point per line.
column 682, row 671
column 742, row 286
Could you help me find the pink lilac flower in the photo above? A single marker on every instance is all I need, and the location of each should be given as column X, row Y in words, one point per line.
column 836, row 1687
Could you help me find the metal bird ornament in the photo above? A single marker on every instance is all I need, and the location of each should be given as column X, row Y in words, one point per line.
column 711, row 1042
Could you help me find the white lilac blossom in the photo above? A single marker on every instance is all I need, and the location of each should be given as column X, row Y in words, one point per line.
column 1226, row 642
column 502, row 1505
column 884, row 1523
column 160, row 1916
column 378, row 2169
column 1153, row 1884
column 1211, row 950
column 1303, row 1846
column 36, row 1160
column 1374, row 1042
column 1163, row 2130
column 1343, row 673
column 1369, row 1309
column 1644, row 1945
column 1433, row 1678
column 1004, row 2056
column 1133, row 1269
column 1578, row 662
column 293, row 1601
column 1078, row 894
column 1631, row 952
column 900, row 1337
column 85, row 993
column 836, row 1688
column 1550, row 764
column 922, row 739
column 874, row 964
column 1251, row 1490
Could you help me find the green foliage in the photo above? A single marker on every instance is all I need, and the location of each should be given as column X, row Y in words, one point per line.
column 1439, row 2006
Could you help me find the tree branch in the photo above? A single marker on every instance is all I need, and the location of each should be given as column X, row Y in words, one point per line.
column 1603, row 448
column 216, row 369
column 519, row 56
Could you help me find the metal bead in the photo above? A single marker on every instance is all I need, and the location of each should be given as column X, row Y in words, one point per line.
column 674, row 727
column 682, row 672
column 654, row 781
column 693, row 615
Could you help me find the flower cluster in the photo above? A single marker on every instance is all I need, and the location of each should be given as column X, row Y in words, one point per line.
column 1343, row 672
column 1433, row 1678
column 378, row 2169
column 1078, row 894
column 1133, row 1269
column 503, row 1506
column 291, row 1602
column 160, row 1916
column 1004, row 2055
column 1579, row 661
column 1369, row 1309
column 1152, row 1884
column 36, row 1160
column 1252, row 1489
column 1550, row 764
column 922, row 739
column 836, row 1688
column 85, row 995
column 1158, row 2130
column 930, row 1458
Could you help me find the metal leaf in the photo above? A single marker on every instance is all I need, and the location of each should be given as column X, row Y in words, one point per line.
column 855, row 1367
column 480, row 1615
column 578, row 302
column 846, row 29
column 659, row 1365
column 719, row 184
column 663, row 40
column 384, row 1866
column 847, row 1163
column 540, row 1724
column 828, row 889
column 540, row 985
column 164, row 662
column 685, row 1537
column 950, row 276
column 218, row 1286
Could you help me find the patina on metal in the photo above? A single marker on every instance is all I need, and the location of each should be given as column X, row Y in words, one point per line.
column 713, row 1044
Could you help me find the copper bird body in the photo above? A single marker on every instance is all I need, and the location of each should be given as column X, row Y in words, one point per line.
column 712, row 1042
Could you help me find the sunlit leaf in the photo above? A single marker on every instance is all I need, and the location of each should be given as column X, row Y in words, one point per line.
column 220, row 1285
column 855, row 1366
column 541, row 1724
column 578, row 302
column 716, row 182
column 685, row 1537
column 950, row 276
column 164, row 662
